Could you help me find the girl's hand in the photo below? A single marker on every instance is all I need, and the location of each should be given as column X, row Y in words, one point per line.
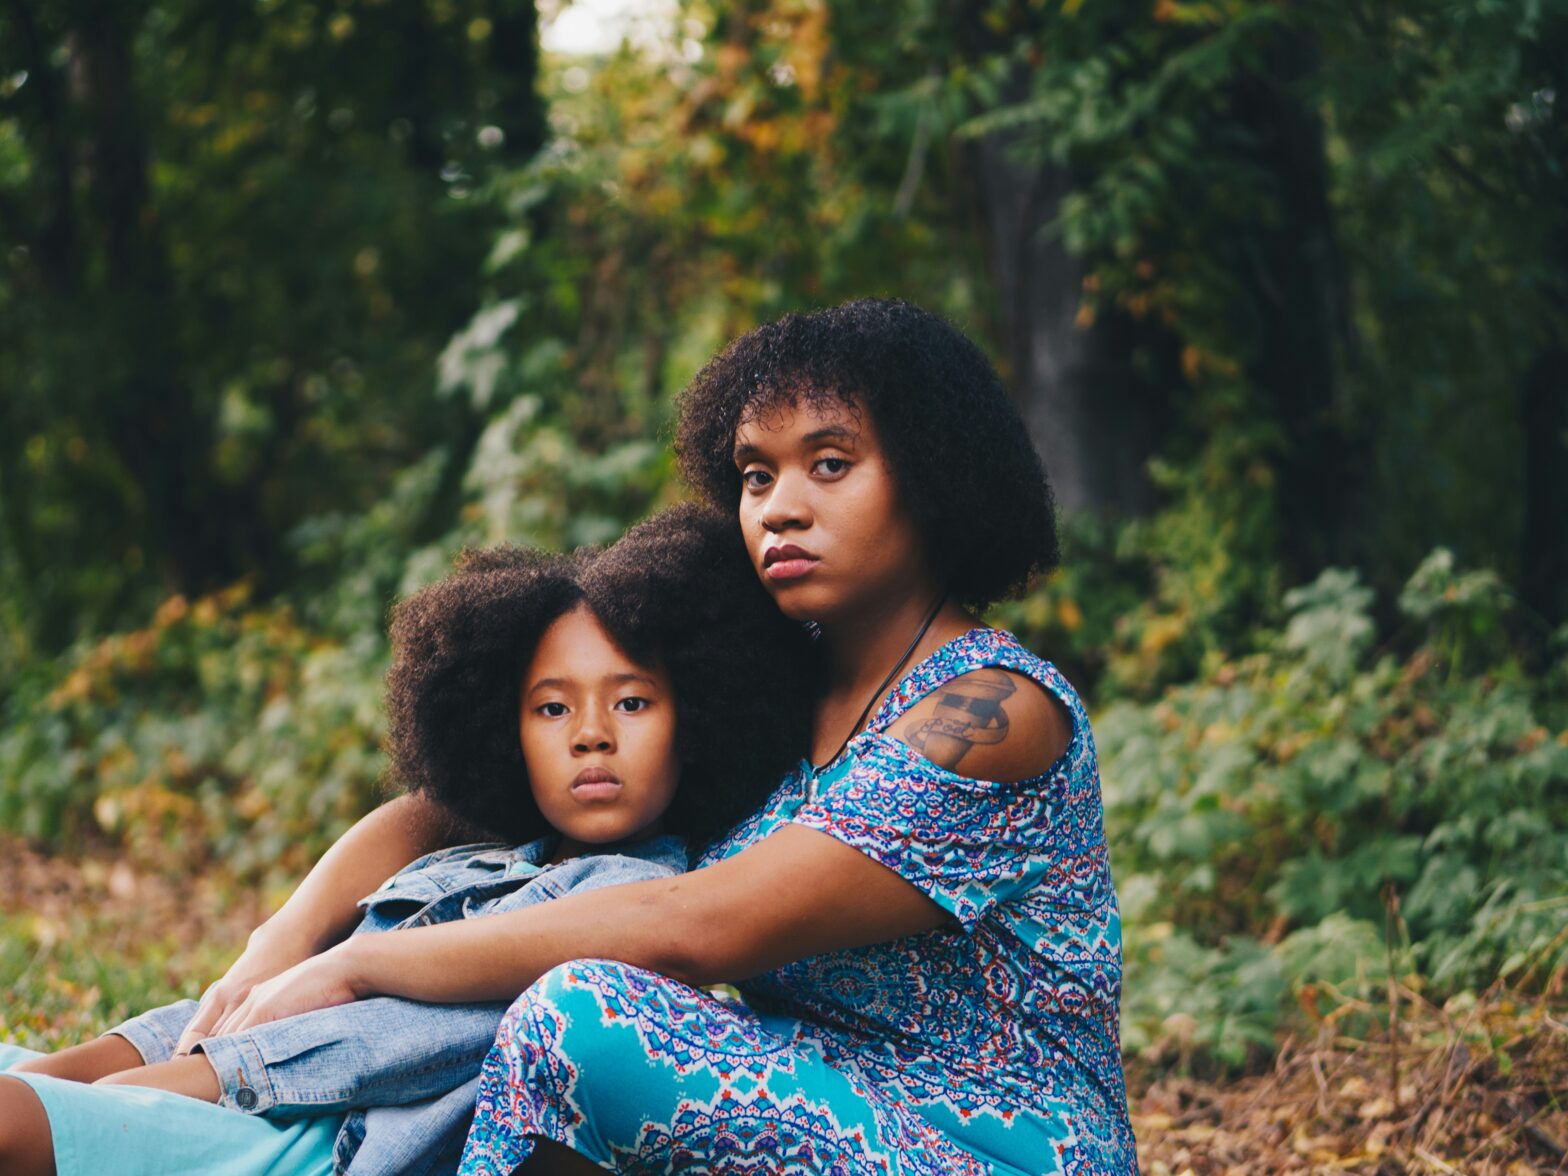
column 263, row 958
column 317, row 983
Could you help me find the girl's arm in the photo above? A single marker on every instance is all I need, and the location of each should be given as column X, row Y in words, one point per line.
column 796, row 893
column 323, row 909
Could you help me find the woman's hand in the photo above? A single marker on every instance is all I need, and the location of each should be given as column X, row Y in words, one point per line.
column 323, row 910
column 264, row 957
column 316, row 983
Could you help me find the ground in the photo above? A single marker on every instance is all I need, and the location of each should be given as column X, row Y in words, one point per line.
column 1478, row 1087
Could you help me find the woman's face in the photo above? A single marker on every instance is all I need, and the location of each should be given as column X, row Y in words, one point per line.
column 598, row 736
column 821, row 513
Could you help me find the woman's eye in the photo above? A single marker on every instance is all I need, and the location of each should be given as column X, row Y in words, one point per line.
column 632, row 705
column 552, row 710
column 754, row 479
column 832, row 466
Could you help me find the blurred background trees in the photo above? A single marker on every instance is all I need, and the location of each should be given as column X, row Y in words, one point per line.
column 298, row 298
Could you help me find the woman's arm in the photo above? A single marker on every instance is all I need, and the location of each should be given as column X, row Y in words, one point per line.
column 323, row 909
column 796, row 893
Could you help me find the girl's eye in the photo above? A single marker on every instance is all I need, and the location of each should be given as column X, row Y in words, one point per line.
column 832, row 466
column 552, row 710
column 755, row 479
column 632, row 705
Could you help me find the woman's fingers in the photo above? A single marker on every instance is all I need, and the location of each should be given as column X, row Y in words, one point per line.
column 216, row 1004
column 235, row 1019
column 317, row 983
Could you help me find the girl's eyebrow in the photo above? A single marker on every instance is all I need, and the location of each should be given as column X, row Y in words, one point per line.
column 838, row 434
column 611, row 679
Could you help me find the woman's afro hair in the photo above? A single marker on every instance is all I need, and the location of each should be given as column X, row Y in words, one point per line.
column 966, row 469
column 676, row 593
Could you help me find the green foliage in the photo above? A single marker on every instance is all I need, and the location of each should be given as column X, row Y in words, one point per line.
column 1143, row 603
column 1276, row 820
column 236, row 237
column 220, row 734
column 397, row 329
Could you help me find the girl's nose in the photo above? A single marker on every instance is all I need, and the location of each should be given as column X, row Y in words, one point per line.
column 592, row 736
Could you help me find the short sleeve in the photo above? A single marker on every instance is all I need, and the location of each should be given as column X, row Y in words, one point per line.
column 968, row 844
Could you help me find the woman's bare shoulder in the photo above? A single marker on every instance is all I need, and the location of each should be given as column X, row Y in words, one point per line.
column 988, row 724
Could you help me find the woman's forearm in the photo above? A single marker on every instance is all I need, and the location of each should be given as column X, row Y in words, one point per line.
column 798, row 893
column 324, row 907
column 496, row 957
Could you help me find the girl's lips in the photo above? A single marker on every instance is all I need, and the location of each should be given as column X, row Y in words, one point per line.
column 596, row 784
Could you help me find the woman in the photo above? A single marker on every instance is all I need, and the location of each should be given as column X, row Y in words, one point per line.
column 922, row 916
column 921, row 919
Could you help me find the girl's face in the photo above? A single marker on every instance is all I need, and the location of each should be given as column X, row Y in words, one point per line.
column 820, row 510
column 598, row 736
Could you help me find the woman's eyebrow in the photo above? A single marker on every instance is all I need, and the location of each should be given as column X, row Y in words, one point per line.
column 838, row 434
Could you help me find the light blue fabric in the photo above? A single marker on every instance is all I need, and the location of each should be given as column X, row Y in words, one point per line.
column 132, row 1131
column 405, row 1070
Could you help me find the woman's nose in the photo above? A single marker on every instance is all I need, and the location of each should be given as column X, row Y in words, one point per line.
column 786, row 506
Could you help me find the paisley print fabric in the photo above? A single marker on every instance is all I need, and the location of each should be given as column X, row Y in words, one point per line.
column 643, row 1074
column 988, row 1046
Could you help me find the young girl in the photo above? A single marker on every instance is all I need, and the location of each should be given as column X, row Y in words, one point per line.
column 607, row 711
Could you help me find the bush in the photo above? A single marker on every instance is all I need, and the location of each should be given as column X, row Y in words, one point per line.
column 1305, row 818
column 218, row 733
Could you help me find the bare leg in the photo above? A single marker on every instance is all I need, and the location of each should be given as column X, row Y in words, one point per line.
column 554, row 1159
column 26, row 1146
column 87, row 1062
column 191, row 1075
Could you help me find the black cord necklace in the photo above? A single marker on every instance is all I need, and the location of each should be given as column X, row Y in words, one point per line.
column 877, row 693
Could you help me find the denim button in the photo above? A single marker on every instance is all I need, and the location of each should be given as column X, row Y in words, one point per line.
column 246, row 1097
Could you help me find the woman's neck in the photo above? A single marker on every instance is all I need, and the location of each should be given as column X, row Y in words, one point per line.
column 860, row 651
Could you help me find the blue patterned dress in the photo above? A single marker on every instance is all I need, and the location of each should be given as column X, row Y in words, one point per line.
column 990, row 1046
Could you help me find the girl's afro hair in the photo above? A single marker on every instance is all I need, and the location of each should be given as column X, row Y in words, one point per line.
column 676, row 593
column 966, row 469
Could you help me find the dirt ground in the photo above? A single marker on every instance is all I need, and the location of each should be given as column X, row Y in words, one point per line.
column 1478, row 1087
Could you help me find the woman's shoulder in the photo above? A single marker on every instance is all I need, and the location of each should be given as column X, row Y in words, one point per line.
column 987, row 708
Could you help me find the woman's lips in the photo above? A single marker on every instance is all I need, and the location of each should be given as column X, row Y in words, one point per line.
column 596, row 784
column 787, row 562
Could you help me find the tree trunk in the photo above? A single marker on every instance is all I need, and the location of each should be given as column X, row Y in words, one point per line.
column 157, row 428
column 1093, row 417
column 1296, row 286
column 1544, row 549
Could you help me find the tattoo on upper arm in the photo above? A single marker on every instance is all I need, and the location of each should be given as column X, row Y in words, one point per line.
column 968, row 712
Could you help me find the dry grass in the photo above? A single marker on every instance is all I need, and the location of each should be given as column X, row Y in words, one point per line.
column 86, row 941
column 1475, row 1087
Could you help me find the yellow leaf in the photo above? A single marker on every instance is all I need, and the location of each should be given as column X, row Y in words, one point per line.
column 1071, row 615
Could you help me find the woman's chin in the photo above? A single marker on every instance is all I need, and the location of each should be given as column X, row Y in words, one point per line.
column 797, row 602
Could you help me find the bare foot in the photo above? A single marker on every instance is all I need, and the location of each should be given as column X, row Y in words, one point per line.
column 88, row 1062
column 190, row 1074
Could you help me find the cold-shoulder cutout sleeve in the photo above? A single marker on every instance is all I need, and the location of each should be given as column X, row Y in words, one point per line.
column 990, row 723
column 968, row 844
